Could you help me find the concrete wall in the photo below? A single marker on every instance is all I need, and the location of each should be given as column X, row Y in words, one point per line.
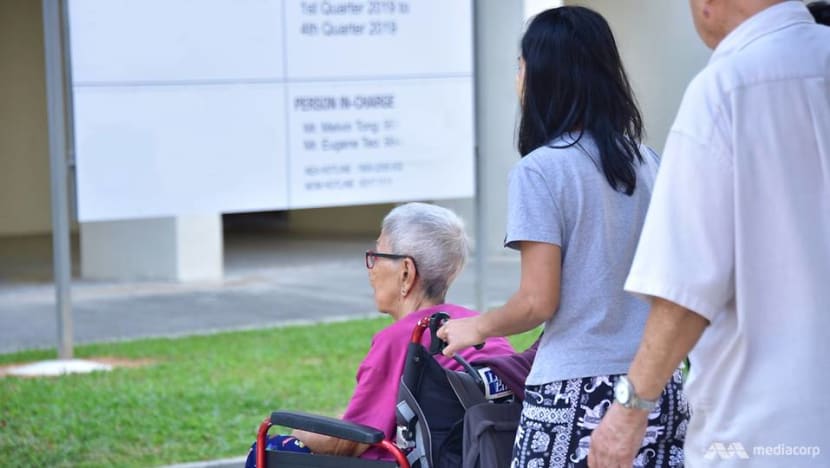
column 24, row 153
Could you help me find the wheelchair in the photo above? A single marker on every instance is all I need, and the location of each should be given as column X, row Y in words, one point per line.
column 433, row 405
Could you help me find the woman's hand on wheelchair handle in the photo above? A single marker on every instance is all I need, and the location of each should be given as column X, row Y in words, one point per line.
column 460, row 334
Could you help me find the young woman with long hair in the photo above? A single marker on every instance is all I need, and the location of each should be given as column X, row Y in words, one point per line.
column 577, row 201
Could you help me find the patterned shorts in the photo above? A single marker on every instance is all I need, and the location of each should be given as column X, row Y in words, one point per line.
column 558, row 418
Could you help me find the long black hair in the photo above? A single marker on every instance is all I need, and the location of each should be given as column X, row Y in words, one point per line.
column 574, row 81
column 820, row 11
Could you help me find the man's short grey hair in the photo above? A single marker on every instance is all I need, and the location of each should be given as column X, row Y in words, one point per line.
column 434, row 236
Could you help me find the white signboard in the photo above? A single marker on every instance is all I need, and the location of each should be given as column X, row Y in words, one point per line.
column 199, row 106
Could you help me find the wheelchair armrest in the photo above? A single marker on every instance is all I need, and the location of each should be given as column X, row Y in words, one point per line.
column 327, row 426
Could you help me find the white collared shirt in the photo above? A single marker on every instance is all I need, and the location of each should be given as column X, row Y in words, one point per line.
column 738, row 231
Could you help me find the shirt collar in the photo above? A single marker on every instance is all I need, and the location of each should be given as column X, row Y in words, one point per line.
column 770, row 19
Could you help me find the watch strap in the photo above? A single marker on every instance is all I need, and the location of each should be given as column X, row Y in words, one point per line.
column 634, row 400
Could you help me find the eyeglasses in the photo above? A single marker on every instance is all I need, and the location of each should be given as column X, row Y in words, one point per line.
column 371, row 258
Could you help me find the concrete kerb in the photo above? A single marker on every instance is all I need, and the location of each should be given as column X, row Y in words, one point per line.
column 287, row 323
column 236, row 462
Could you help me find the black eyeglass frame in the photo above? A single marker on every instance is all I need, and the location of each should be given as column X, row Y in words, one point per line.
column 371, row 255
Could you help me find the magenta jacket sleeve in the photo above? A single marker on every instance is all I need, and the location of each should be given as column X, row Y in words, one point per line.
column 376, row 391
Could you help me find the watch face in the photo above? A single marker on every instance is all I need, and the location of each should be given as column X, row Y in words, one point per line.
column 621, row 392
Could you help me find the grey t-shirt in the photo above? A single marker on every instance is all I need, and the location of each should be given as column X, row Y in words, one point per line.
column 560, row 196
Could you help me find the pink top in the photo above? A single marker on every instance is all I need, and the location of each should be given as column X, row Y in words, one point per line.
column 378, row 376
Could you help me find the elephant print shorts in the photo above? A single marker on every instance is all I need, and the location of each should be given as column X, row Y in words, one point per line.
column 558, row 418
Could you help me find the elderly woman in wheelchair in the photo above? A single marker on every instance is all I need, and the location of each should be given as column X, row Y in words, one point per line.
column 421, row 249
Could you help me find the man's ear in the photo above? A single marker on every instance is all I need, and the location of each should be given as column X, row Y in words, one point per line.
column 706, row 9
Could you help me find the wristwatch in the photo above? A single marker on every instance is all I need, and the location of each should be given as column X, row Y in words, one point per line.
column 625, row 395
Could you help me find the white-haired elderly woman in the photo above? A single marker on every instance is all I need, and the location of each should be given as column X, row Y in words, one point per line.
column 421, row 249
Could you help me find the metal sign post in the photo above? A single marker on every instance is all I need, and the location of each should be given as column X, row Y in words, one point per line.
column 56, row 98
column 58, row 110
column 479, row 210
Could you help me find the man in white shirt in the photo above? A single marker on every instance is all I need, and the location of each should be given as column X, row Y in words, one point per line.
column 735, row 251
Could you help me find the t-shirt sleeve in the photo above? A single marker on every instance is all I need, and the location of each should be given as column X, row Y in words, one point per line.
column 532, row 211
column 686, row 249
column 376, row 392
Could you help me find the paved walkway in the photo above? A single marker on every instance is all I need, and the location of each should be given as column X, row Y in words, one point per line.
column 268, row 281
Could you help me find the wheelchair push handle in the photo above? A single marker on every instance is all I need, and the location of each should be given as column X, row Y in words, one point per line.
column 437, row 345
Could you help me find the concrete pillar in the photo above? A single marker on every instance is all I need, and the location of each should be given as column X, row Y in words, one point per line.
column 183, row 248
column 498, row 28
column 534, row 7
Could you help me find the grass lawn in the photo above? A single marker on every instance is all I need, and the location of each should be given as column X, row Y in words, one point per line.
column 203, row 398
